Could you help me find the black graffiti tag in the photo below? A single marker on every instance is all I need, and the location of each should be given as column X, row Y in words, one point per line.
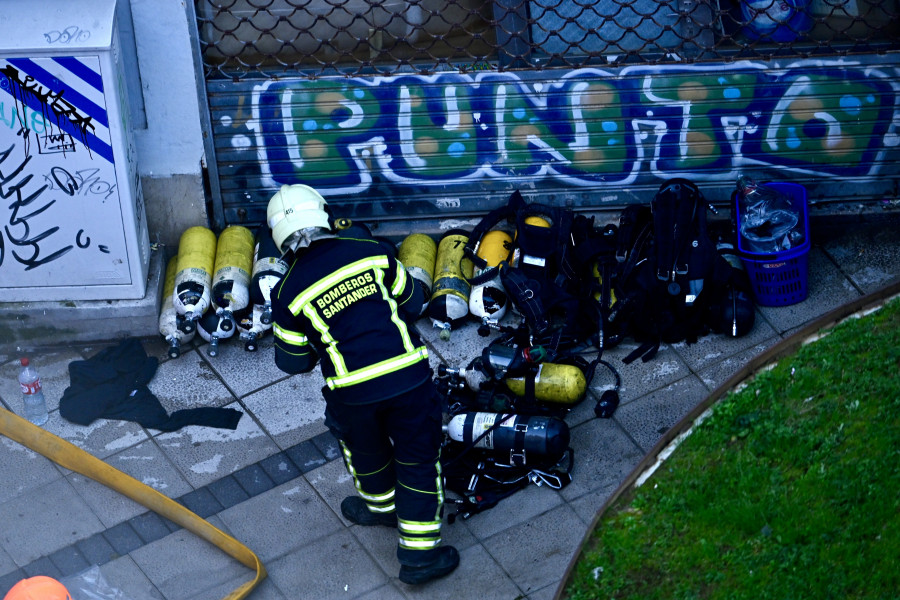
column 52, row 99
column 18, row 229
column 70, row 185
column 83, row 182
column 64, row 180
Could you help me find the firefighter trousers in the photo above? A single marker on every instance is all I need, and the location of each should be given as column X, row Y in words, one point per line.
column 392, row 448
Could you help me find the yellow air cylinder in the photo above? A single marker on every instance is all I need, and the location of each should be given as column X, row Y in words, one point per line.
column 168, row 316
column 193, row 275
column 494, row 247
column 268, row 270
column 231, row 276
column 418, row 253
column 449, row 305
column 554, row 384
column 599, row 277
column 534, row 221
column 537, row 221
column 489, row 300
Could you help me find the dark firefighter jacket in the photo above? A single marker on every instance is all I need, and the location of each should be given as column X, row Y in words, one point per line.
column 347, row 301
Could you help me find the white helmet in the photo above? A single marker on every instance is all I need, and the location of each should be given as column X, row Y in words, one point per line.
column 294, row 208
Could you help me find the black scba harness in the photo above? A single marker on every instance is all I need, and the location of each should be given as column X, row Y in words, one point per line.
column 549, row 278
column 655, row 276
column 481, row 479
column 671, row 281
column 551, row 283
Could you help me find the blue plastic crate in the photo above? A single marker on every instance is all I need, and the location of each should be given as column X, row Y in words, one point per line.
column 780, row 278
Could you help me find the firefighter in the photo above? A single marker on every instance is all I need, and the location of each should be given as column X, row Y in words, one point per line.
column 348, row 304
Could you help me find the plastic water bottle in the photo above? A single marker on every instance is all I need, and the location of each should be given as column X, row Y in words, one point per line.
column 32, row 394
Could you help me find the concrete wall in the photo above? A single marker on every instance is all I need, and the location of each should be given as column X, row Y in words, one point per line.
column 170, row 147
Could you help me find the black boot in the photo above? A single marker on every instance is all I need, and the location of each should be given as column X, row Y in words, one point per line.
column 447, row 560
column 356, row 511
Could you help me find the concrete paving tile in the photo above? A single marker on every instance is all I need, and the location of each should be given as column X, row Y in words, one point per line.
column 7, row 564
column 640, row 377
column 333, row 567
column 102, row 438
column 868, row 255
column 53, row 368
column 333, row 483
column 204, row 454
column 387, row 592
column 282, row 520
column 188, row 382
column 8, row 580
column 327, row 445
column 713, row 348
column 22, row 469
column 604, row 379
column 110, row 506
column 253, row 479
column 522, row 506
column 96, row 549
column 457, row 533
column 149, row 526
column 146, row 463
column 604, row 454
column 43, row 520
column 182, row 565
column 245, row 372
column 227, row 491
column 159, row 348
column 125, row 576
column 69, row 561
column 265, row 590
column 280, row 468
column 123, row 538
column 306, row 456
column 587, row 506
column 380, row 543
column 647, row 418
column 719, row 372
column 291, row 410
column 478, row 576
column 870, row 279
column 553, row 538
column 42, row 566
column 547, row 593
column 584, row 410
column 827, row 287
column 202, row 502
column 464, row 345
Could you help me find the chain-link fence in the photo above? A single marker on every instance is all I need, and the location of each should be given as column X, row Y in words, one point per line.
column 273, row 38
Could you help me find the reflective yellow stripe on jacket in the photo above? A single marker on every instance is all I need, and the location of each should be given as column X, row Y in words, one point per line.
column 343, row 375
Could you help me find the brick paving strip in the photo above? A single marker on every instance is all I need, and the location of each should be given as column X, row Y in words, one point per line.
column 126, row 537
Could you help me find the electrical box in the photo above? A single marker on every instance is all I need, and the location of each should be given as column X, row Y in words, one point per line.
column 72, row 219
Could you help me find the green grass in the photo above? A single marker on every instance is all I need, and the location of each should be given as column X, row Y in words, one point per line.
column 790, row 489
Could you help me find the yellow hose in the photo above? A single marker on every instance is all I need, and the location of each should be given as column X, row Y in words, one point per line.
column 74, row 458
